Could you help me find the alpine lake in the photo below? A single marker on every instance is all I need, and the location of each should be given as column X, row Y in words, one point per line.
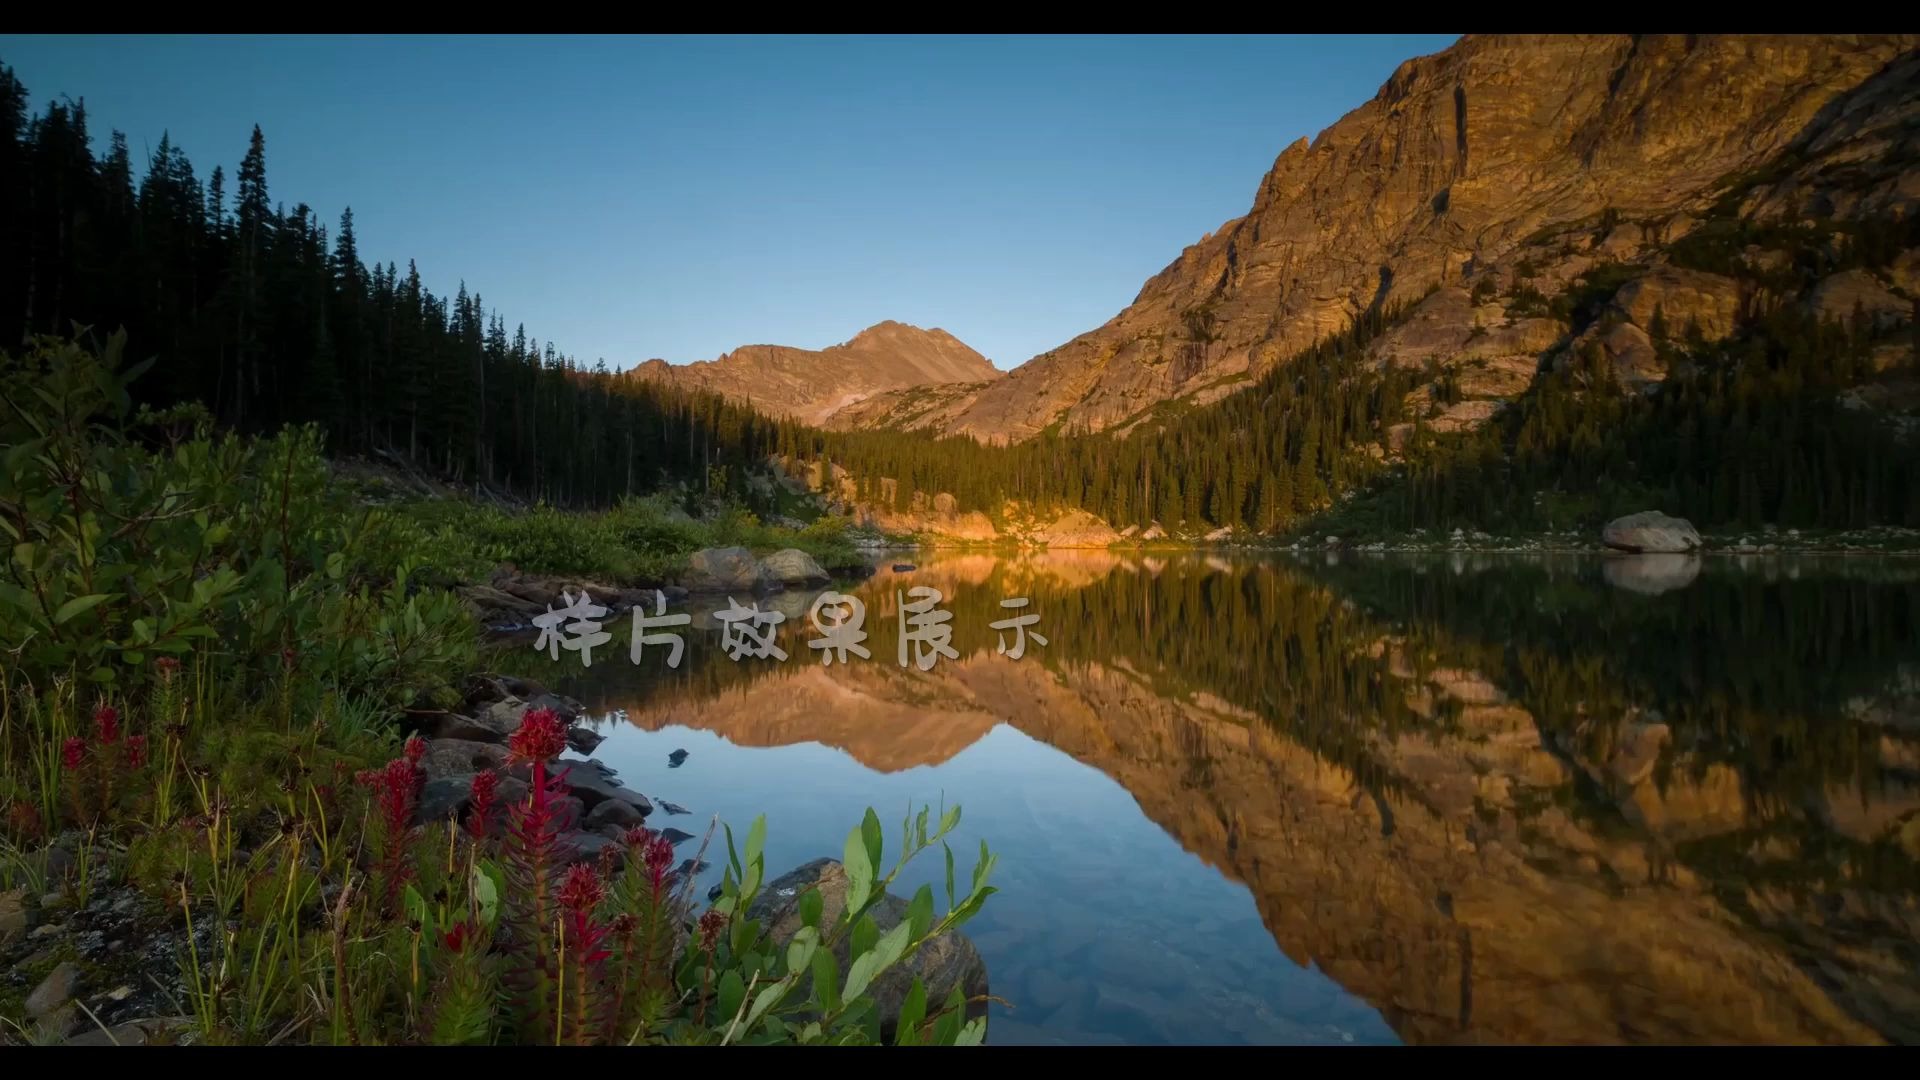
column 1341, row 798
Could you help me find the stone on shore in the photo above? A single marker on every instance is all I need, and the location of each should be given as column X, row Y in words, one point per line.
column 1650, row 532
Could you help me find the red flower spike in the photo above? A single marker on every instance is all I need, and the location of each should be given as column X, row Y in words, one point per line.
column 106, row 723
column 710, row 926
column 583, row 890
column 482, row 793
column 416, row 749
column 136, row 751
column 73, row 753
column 541, row 737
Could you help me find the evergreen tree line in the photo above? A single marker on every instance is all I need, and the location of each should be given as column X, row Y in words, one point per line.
column 257, row 313
column 1258, row 459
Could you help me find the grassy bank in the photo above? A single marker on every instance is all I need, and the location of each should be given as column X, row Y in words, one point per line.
column 210, row 813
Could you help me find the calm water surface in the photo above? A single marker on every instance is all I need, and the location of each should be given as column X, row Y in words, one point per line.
column 1358, row 800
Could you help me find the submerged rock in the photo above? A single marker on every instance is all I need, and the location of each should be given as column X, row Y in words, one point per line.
column 943, row 963
column 1650, row 531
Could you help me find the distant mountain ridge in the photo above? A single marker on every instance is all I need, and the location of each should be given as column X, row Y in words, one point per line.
column 1503, row 163
column 813, row 386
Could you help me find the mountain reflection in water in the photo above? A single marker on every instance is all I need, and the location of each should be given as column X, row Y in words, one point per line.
column 1442, row 799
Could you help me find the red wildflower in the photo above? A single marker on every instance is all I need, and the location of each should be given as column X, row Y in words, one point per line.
column 583, row 889
column 73, row 753
column 396, row 791
column 136, row 751
column 658, row 857
column 416, row 749
column 462, row 935
column 625, row 923
column 710, row 926
column 167, row 666
column 481, row 793
column 106, row 722
column 541, row 737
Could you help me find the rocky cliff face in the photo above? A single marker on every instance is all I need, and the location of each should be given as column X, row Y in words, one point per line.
column 1502, row 160
column 813, row 386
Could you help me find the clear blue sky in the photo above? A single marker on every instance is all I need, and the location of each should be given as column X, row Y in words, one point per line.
column 638, row 197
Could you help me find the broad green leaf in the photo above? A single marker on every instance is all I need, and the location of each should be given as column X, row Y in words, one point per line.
column 756, row 839
column 974, row 1033
column 826, row 979
column 870, row 832
column 950, row 820
column 865, row 933
column 859, row 870
column 949, row 851
column 416, row 908
column 78, row 605
column 920, row 912
column 912, row 1011
column 869, row 965
column 982, row 868
column 947, row 1028
column 766, row 999
column 733, row 857
column 800, row 949
column 732, row 992
column 810, row 907
column 486, row 895
column 920, row 829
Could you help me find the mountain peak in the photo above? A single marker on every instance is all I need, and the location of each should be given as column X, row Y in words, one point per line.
column 814, row 384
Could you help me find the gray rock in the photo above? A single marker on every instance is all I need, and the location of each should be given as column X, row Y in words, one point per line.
column 1650, row 532
column 485, row 728
column 723, row 570
column 569, row 709
column 461, row 757
column 54, row 991
column 13, row 914
column 791, row 566
column 593, row 789
column 588, row 846
column 444, row 797
column 132, row 1033
column 675, row 836
column 614, row 812
column 943, row 963
column 584, row 740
